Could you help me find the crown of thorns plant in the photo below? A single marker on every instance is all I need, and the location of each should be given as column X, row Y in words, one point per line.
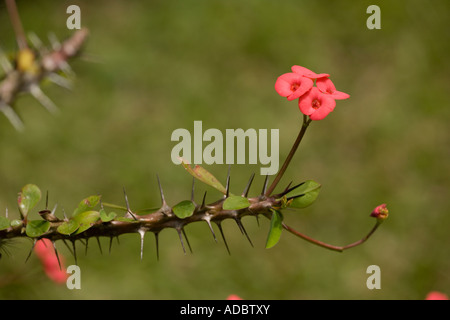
column 95, row 218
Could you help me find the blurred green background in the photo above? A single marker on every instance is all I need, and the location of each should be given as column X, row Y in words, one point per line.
column 151, row 67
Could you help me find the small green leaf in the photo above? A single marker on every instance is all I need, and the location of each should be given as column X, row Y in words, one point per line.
column 235, row 203
column 86, row 220
column 107, row 217
column 28, row 198
column 16, row 223
column 304, row 195
column 305, row 200
column 203, row 175
column 36, row 228
column 87, row 204
column 275, row 229
column 68, row 227
column 4, row 223
column 184, row 209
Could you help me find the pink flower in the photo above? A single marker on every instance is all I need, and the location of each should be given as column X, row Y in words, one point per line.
column 293, row 85
column 233, row 297
column 314, row 101
column 308, row 73
column 316, row 104
column 326, row 86
column 44, row 250
column 435, row 295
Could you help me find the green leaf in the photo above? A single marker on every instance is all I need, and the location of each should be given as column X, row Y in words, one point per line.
column 4, row 223
column 275, row 229
column 28, row 198
column 304, row 195
column 235, row 203
column 87, row 204
column 107, row 217
column 36, row 228
column 86, row 220
column 204, row 175
column 16, row 223
column 184, row 209
column 68, row 227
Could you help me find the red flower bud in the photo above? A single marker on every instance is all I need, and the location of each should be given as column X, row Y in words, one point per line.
column 380, row 212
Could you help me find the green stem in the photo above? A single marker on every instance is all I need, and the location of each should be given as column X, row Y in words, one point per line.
column 306, row 122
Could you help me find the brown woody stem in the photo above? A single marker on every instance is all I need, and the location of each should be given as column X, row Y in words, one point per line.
column 17, row 24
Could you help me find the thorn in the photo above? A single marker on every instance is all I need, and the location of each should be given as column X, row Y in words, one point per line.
column 4, row 62
column 257, row 220
column 65, row 216
column 40, row 96
column 46, row 201
column 295, row 197
column 181, row 240
column 118, row 241
column 99, row 246
column 6, row 212
column 54, row 209
column 74, row 252
column 243, row 231
column 187, row 240
column 54, row 42
column 36, row 41
column 67, row 246
column 163, row 200
column 128, row 205
column 86, row 247
column 57, row 256
column 12, row 116
column 60, row 81
column 219, row 225
column 157, row 245
column 142, row 234
column 64, row 66
column 228, row 182
column 247, row 188
column 287, row 190
column 265, row 185
column 110, row 244
column 287, row 187
column 31, row 251
column 203, row 201
column 207, row 219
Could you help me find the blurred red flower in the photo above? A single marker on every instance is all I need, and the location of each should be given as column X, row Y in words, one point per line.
column 46, row 253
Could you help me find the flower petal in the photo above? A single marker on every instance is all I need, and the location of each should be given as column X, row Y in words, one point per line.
column 309, row 102
column 308, row 73
column 305, row 85
column 292, row 85
column 284, row 83
column 326, row 86
column 339, row 95
column 305, row 102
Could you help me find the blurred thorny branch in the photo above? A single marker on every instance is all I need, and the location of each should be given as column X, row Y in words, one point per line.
column 30, row 65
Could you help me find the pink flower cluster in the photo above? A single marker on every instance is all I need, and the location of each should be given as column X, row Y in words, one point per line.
column 45, row 252
column 314, row 101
